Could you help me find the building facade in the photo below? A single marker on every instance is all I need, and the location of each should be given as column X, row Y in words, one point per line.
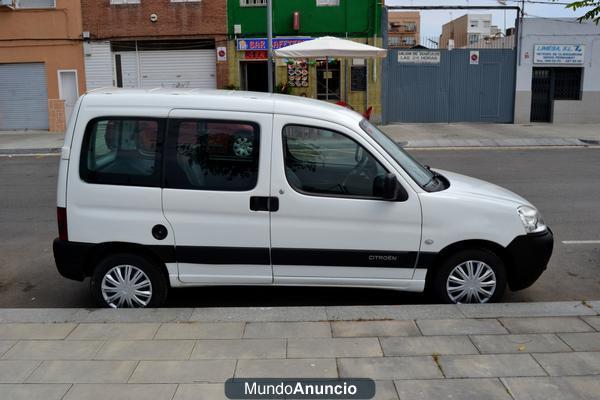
column 466, row 30
column 41, row 63
column 155, row 43
column 404, row 28
column 356, row 82
column 558, row 72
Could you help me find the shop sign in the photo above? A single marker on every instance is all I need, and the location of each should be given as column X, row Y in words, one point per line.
column 261, row 44
column 256, row 55
column 419, row 57
column 558, row 53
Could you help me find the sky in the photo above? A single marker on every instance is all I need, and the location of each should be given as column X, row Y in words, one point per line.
column 432, row 21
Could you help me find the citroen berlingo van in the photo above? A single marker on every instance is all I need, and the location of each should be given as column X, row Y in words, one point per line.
column 161, row 189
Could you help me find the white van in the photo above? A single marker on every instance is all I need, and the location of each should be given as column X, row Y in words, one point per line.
column 162, row 189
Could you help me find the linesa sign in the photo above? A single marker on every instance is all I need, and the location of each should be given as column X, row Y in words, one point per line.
column 558, row 54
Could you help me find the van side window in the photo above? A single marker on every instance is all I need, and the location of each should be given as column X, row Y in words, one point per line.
column 122, row 151
column 212, row 155
column 324, row 162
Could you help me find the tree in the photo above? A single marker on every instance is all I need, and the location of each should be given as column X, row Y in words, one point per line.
column 591, row 15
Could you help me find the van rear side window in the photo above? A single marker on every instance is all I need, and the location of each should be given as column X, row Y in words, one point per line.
column 122, row 151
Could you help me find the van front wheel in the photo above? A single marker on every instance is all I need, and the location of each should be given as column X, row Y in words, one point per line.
column 128, row 281
column 470, row 276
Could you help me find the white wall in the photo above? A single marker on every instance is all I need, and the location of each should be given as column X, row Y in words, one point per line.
column 560, row 31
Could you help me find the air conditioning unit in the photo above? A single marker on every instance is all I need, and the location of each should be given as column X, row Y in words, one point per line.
column 7, row 3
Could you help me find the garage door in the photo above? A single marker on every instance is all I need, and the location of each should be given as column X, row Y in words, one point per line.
column 23, row 96
column 178, row 69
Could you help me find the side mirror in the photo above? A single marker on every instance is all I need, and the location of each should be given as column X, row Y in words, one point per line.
column 393, row 190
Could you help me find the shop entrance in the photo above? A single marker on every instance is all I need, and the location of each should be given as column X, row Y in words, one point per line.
column 328, row 80
column 254, row 76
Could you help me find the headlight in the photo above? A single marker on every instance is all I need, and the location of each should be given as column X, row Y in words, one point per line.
column 532, row 219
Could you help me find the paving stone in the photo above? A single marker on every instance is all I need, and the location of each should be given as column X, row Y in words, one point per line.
column 200, row 391
column 239, row 349
column 82, row 372
column 331, row 348
column 480, row 389
column 287, row 329
column 532, row 343
column 183, row 371
column 125, row 391
column 385, row 390
column 5, row 345
column 545, row 325
column 554, row 388
column 98, row 331
column 399, row 312
column 595, row 305
column 13, row 371
column 35, row 331
column 146, row 350
column 259, row 314
column 33, row 392
column 107, row 315
column 564, row 364
column 298, row 368
column 593, row 321
column 389, row 368
column 535, row 309
column 374, row 328
column 54, row 350
column 427, row 345
column 490, row 366
column 585, row 341
column 201, row 330
column 460, row 327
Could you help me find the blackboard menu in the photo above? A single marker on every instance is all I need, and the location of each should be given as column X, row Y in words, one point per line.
column 358, row 78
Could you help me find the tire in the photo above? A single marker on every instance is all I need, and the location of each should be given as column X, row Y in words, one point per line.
column 448, row 290
column 148, row 272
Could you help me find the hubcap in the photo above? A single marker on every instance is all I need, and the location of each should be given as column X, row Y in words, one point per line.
column 242, row 147
column 126, row 286
column 471, row 282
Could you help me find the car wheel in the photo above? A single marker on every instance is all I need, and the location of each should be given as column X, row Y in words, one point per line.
column 128, row 281
column 470, row 276
column 242, row 146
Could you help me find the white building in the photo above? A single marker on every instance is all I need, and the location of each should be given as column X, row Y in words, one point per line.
column 558, row 72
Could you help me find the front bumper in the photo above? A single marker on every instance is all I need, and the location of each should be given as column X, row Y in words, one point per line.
column 70, row 258
column 529, row 255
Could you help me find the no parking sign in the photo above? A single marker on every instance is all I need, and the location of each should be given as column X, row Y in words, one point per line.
column 474, row 57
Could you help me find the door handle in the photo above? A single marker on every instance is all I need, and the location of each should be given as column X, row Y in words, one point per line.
column 264, row 203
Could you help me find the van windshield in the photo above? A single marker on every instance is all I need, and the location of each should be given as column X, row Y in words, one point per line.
column 422, row 175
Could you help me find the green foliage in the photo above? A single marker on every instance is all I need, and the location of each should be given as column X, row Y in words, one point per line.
column 591, row 15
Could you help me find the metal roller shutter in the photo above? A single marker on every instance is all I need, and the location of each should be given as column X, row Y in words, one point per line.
column 23, row 96
column 98, row 61
column 178, row 69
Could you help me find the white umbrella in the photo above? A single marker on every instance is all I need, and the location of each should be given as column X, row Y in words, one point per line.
column 329, row 46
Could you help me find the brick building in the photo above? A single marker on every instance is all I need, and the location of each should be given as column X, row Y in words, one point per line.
column 155, row 43
column 41, row 63
column 404, row 28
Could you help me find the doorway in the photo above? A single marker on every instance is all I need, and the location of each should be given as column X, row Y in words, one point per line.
column 328, row 80
column 254, row 76
column 541, row 90
column 68, row 89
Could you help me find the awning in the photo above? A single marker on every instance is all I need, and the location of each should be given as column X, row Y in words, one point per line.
column 329, row 46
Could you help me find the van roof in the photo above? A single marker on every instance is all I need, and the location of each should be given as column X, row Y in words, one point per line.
column 228, row 100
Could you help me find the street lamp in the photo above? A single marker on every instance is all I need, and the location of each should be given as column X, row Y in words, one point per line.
column 270, row 44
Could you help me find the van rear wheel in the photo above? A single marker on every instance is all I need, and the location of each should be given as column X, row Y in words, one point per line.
column 470, row 276
column 128, row 281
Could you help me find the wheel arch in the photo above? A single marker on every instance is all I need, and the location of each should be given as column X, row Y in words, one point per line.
column 455, row 247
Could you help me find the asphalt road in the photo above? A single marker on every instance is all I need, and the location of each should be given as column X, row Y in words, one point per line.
column 564, row 184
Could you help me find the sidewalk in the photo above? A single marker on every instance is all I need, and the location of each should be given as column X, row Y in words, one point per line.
column 497, row 351
column 493, row 135
column 409, row 135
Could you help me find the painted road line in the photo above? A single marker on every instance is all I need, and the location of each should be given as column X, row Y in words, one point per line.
column 581, row 241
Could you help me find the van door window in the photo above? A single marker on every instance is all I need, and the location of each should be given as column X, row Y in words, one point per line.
column 323, row 162
column 212, row 155
column 122, row 151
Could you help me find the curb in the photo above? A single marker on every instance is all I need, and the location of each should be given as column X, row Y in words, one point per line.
column 501, row 143
column 303, row 314
column 52, row 150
